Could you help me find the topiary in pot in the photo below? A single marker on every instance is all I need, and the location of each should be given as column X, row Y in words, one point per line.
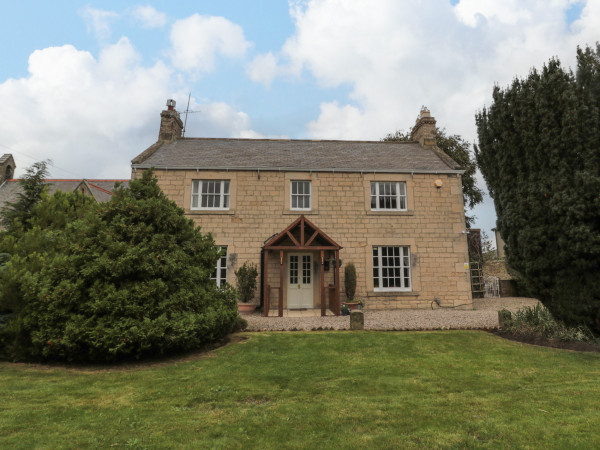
column 350, row 281
column 246, row 284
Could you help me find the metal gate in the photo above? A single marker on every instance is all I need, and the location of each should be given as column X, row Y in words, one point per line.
column 492, row 287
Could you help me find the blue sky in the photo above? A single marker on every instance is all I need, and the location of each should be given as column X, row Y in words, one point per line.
column 83, row 83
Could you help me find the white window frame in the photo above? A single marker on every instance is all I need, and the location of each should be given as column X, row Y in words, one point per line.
column 224, row 197
column 379, row 266
column 401, row 197
column 303, row 195
column 217, row 275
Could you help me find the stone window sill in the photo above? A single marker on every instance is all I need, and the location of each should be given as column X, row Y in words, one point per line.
column 390, row 213
column 392, row 294
column 289, row 212
column 204, row 212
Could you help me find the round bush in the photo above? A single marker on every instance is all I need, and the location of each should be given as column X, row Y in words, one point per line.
column 125, row 279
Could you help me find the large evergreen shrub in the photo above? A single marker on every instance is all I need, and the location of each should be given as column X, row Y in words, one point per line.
column 539, row 152
column 128, row 278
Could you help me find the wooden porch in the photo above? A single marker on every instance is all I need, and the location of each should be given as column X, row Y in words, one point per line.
column 303, row 235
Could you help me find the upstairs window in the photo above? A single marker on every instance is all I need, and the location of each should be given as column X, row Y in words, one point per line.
column 391, row 269
column 300, row 192
column 220, row 272
column 210, row 194
column 388, row 196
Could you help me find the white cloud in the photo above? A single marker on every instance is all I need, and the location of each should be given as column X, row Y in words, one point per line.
column 471, row 12
column 91, row 116
column 149, row 17
column 98, row 21
column 396, row 57
column 263, row 68
column 218, row 119
column 197, row 39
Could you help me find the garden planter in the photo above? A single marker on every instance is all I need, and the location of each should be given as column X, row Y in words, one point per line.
column 352, row 305
column 246, row 308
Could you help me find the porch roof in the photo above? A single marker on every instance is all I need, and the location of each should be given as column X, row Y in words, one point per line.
column 302, row 234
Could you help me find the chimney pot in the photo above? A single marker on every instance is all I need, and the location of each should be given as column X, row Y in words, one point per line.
column 171, row 104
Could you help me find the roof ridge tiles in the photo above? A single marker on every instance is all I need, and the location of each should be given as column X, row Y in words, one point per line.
column 356, row 141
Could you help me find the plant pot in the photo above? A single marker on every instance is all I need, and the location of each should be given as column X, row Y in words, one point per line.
column 352, row 305
column 246, row 308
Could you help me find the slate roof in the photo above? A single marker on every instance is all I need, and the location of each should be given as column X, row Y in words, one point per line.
column 295, row 155
column 101, row 190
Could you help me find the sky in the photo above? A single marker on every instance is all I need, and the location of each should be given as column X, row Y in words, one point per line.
column 83, row 83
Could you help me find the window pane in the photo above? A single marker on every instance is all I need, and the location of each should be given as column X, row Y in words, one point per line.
column 226, row 201
column 194, row 201
column 226, row 187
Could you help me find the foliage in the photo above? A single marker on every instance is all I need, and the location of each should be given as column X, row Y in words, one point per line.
column 127, row 278
column 538, row 321
column 240, row 324
column 539, row 152
column 338, row 389
column 350, row 281
column 460, row 151
column 246, row 281
column 488, row 252
column 18, row 213
column 344, row 309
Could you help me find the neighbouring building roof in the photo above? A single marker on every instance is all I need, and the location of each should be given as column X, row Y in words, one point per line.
column 295, row 155
column 101, row 190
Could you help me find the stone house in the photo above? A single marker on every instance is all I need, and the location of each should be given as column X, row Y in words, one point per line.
column 10, row 188
column 301, row 209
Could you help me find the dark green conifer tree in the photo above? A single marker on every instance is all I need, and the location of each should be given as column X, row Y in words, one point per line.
column 539, row 152
column 16, row 214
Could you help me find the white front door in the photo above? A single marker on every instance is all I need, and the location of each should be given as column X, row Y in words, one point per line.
column 300, row 281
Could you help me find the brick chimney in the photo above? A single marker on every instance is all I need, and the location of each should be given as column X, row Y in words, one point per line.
column 7, row 167
column 171, row 125
column 424, row 130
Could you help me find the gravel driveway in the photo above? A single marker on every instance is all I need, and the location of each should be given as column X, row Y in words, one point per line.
column 484, row 315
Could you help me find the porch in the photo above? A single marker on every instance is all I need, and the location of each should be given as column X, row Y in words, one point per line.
column 302, row 254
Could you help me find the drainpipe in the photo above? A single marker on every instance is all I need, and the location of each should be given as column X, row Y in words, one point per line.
column 262, row 278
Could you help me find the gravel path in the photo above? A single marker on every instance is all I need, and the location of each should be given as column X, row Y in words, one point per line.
column 484, row 315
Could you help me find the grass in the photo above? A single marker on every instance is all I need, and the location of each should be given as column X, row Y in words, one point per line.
column 326, row 390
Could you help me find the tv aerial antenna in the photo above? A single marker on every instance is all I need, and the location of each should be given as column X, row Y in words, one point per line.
column 186, row 112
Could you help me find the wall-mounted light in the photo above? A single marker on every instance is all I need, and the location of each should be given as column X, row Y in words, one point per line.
column 438, row 183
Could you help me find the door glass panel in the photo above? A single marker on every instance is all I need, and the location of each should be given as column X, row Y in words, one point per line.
column 293, row 269
column 306, row 269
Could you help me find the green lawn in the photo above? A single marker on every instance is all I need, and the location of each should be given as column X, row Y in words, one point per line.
column 317, row 389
